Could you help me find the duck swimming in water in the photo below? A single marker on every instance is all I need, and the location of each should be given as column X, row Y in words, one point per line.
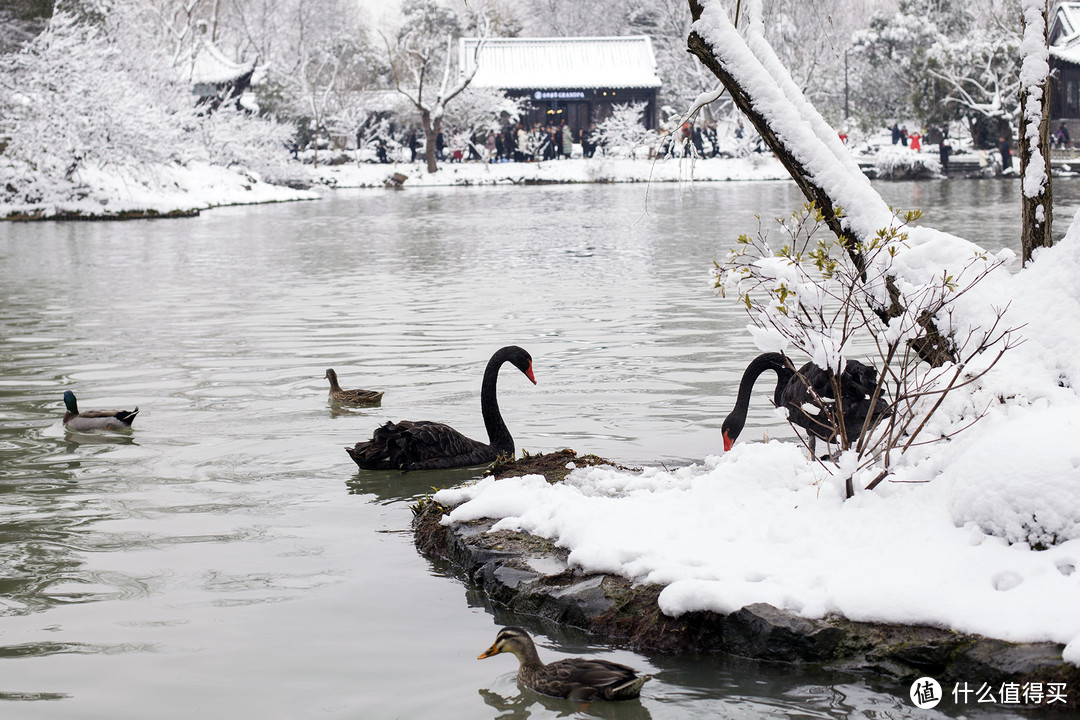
column 95, row 419
column 350, row 397
column 573, row 678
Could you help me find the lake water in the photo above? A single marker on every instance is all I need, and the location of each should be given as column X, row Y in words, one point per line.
column 227, row 558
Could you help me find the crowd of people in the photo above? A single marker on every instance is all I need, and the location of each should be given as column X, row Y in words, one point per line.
column 1059, row 139
column 515, row 142
column 553, row 140
column 522, row 142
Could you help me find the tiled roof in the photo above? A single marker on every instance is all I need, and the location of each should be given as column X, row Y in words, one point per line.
column 210, row 66
column 581, row 63
column 1065, row 33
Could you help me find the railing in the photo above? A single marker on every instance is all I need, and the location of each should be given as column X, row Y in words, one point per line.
column 1064, row 154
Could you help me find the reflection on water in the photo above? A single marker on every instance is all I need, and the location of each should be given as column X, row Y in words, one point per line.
column 227, row 557
column 394, row 486
column 521, row 705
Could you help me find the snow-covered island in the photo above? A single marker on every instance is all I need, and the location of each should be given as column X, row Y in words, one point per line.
column 963, row 566
column 979, row 535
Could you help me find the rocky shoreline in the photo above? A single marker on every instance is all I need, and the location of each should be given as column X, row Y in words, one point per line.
column 530, row 576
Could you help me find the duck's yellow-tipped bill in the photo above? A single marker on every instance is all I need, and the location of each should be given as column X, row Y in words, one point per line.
column 488, row 653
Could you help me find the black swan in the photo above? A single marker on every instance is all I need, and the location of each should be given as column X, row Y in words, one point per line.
column 581, row 679
column 796, row 391
column 425, row 445
column 95, row 419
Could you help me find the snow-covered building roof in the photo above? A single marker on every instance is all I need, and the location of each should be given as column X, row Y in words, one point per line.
column 581, row 63
column 1064, row 34
column 209, row 66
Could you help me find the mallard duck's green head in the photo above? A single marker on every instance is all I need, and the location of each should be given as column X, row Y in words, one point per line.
column 510, row 639
column 70, row 402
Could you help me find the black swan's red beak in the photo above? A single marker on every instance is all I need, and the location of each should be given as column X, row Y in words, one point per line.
column 528, row 374
column 728, row 442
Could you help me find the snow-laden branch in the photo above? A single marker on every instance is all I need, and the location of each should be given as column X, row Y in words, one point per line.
column 1036, row 191
column 780, row 112
column 417, row 53
column 828, row 176
column 448, row 92
column 1034, row 73
column 995, row 107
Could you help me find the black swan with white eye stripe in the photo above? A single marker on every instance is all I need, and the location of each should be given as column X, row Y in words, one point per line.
column 426, row 445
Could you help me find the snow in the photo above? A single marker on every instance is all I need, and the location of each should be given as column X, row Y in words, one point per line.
column 1034, row 74
column 210, row 66
column 162, row 189
column 947, row 544
column 979, row 534
column 562, row 63
column 200, row 185
column 577, row 170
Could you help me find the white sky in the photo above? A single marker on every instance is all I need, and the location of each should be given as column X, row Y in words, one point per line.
column 379, row 10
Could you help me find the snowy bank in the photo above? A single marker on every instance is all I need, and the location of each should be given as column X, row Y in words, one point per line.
column 118, row 192
column 980, row 534
column 577, row 170
column 159, row 190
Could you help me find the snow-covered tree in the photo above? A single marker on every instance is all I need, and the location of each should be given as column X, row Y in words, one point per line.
column 572, row 18
column 422, row 63
column 872, row 270
column 888, row 67
column 318, row 72
column 73, row 97
column 622, row 133
column 98, row 92
column 811, row 39
column 498, row 18
column 939, row 61
column 478, row 111
column 977, row 79
column 1034, row 137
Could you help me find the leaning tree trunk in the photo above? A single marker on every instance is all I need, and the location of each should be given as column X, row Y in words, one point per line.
column 931, row 345
column 1034, row 136
column 742, row 99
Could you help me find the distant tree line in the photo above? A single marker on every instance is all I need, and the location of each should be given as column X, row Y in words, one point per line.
column 330, row 70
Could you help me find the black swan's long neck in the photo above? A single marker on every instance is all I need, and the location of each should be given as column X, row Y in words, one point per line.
column 762, row 363
column 498, row 436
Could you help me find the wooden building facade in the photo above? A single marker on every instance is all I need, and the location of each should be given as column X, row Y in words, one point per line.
column 574, row 79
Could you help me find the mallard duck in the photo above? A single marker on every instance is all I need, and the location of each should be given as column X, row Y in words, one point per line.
column 426, row 445
column 572, row 678
column 95, row 419
column 353, row 397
